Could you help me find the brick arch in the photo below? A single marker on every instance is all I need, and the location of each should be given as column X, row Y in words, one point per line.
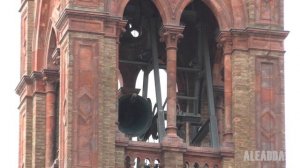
column 43, row 24
column 239, row 15
column 159, row 4
column 218, row 8
column 51, row 39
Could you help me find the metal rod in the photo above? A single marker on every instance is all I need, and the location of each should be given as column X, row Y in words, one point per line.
column 187, row 133
column 145, row 84
column 186, row 69
column 160, row 110
column 134, row 62
column 198, row 82
column 196, row 91
column 210, row 93
column 187, row 97
column 160, row 66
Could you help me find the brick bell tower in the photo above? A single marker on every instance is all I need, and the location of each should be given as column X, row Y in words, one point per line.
column 81, row 107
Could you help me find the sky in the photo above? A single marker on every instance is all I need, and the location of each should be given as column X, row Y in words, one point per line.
column 10, row 63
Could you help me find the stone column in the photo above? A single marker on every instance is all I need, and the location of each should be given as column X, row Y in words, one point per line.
column 50, row 78
column 39, row 120
column 226, row 42
column 170, row 35
column 121, row 139
column 172, row 146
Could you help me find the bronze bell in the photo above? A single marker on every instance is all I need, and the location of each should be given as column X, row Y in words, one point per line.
column 135, row 115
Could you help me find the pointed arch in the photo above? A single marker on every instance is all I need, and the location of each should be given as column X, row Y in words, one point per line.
column 51, row 47
column 158, row 4
column 39, row 42
column 218, row 8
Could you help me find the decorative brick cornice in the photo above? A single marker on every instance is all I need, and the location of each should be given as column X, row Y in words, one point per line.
column 25, row 80
column 36, row 75
column 98, row 23
column 227, row 152
column 252, row 39
column 266, row 33
column 32, row 83
column 89, row 15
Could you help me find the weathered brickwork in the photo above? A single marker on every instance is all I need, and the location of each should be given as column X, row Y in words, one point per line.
column 27, row 27
column 172, row 159
column 38, row 135
column 26, row 132
column 243, row 106
column 80, row 40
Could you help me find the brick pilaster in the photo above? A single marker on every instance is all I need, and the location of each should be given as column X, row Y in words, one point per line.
column 88, row 84
column 27, row 26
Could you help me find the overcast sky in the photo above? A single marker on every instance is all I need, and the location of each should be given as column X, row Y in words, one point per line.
column 9, row 66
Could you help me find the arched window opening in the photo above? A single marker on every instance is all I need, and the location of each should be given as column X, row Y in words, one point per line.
column 137, row 163
column 53, row 52
column 206, row 166
column 197, row 55
column 186, row 165
column 196, row 165
column 146, row 83
column 140, row 52
column 127, row 162
column 147, row 163
column 156, row 163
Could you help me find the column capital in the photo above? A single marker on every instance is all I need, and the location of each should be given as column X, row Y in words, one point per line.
column 225, row 41
column 120, row 29
column 50, row 75
column 170, row 35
